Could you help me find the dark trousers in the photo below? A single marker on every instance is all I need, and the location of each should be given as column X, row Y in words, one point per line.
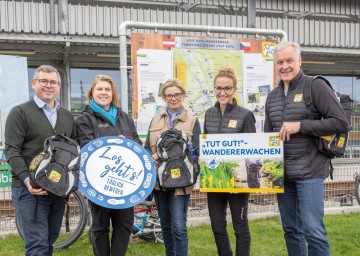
column 217, row 204
column 39, row 234
column 121, row 221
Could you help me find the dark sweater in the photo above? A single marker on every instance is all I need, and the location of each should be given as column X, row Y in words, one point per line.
column 26, row 129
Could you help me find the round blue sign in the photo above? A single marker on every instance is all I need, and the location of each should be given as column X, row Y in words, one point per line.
column 116, row 172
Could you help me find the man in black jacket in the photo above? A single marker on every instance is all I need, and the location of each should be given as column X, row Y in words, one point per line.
column 302, row 204
column 27, row 127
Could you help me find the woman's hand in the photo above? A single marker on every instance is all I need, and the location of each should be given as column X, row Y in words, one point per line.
column 155, row 157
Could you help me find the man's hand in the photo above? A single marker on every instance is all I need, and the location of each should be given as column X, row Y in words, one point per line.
column 35, row 191
column 287, row 129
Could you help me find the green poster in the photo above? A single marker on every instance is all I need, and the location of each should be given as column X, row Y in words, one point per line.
column 5, row 171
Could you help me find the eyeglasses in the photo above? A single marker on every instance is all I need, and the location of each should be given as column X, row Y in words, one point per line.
column 176, row 96
column 226, row 89
column 44, row 82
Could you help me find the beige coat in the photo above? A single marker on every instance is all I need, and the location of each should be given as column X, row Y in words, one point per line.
column 185, row 122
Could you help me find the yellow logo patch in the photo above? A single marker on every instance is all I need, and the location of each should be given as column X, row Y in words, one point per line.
column 232, row 123
column 341, row 142
column 54, row 176
column 298, row 97
column 327, row 138
column 274, row 141
column 175, row 173
column 36, row 161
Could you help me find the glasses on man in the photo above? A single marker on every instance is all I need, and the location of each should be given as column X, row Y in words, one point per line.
column 226, row 89
column 175, row 95
column 44, row 82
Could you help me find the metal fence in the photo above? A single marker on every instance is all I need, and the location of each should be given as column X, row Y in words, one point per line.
column 339, row 193
column 339, row 196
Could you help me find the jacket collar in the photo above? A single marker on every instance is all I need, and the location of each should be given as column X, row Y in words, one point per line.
column 294, row 83
column 182, row 117
column 90, row 111
column 228, row 107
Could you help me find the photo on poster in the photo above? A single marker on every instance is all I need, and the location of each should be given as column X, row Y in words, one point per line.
column 148, row 98
column 264, row 89
column 253, row 98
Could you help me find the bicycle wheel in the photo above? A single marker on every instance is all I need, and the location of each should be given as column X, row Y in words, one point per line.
column 147, row 237
column 357, row 189
column 72, row 226
column 143, row 236
column 158, row 235
column 18, row 226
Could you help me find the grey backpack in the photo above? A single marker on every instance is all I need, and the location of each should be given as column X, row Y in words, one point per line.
column 56, row 168
column 178, row 163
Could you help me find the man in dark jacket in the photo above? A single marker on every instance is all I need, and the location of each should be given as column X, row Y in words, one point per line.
column 27, row 127
column 302, row 204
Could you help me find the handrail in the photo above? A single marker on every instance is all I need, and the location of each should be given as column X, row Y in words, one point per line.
column 176, row 27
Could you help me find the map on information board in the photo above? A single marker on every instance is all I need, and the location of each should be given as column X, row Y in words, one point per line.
column 197, row 68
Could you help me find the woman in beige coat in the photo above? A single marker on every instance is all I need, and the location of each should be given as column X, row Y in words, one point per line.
column 173, row 204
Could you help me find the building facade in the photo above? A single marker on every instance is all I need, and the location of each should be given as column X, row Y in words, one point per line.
column 81, row 37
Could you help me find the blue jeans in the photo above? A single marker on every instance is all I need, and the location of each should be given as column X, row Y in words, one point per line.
column 173, row 215
column 39, row 235
column 302, row 212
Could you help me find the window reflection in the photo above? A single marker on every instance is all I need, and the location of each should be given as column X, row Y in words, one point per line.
column 31, row 72
column 356, row 94
column 80, row 83
column 349, row 86
column 341, row 84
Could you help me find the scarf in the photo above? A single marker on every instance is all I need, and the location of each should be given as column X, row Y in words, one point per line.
column 173, row 117
column 110, row 115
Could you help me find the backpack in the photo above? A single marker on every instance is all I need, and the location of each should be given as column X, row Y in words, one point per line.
column 332, row 145
column 178, row 162
column 56, row 168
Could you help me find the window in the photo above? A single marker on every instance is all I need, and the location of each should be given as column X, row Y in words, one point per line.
column 80, row 83
column 348, row 85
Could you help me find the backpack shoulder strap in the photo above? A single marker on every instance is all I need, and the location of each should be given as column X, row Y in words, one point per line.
column 308, row 92
column 325, row 80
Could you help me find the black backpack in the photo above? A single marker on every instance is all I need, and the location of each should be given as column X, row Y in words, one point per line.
column 56, row 168
column 332, row 145
column 178, row 164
